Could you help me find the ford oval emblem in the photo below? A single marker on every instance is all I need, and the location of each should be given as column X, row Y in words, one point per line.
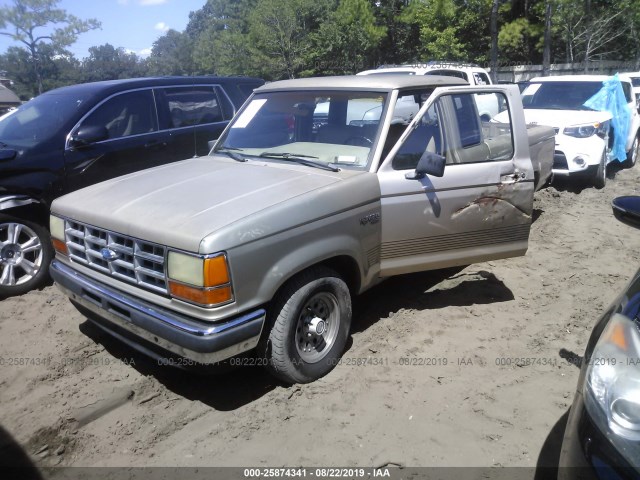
column 109, row 255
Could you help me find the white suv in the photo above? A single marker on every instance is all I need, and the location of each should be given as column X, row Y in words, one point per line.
column 583, row 136
column 635, row 83
column 487, row 104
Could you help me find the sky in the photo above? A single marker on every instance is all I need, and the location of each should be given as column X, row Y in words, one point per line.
column 131, row 24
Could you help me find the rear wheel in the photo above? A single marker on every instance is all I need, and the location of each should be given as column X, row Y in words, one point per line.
column 25, row 254
column 311, row 318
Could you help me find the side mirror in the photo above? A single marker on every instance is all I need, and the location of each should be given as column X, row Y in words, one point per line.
column 87, row 135
column 429, row 164
column 7, row 154
column 627, row 210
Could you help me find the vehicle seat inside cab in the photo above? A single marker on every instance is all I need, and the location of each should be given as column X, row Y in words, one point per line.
column 347, row 134
column 423, row 138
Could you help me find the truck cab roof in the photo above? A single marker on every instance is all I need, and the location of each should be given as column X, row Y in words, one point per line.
column 365, row 82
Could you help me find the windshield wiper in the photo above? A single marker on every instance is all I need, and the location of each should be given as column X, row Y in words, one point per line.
column 301, row 159
column 231, row 152
column 285, row 155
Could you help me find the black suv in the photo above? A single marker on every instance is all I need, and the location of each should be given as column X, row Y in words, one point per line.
column 76, row 136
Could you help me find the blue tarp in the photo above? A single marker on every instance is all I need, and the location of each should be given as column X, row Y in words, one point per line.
column 611, row 99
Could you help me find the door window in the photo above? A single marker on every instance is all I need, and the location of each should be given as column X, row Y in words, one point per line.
column 425, row 137
column 131, row 113
column 481, row 78
column 192, row 106
column 451, row 127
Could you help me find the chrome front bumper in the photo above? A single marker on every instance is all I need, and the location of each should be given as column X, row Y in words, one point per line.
column 181, row 335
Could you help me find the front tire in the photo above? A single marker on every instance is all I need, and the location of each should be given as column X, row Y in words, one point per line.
column 600, row 179
column 25, row 254
column 311, row 317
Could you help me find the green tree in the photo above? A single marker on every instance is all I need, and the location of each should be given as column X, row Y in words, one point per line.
column 348, row 41
column 171, row 54
column 225, row 52
column 220, row 31
column 106, row 62
column 57, row 70
column 520, row 40
column 42, row 28
column 597, row 29
column 401, row 42
column 632, row 19
column 473, row 29
column 439, row 37
column 279, row 30
column 220, row 15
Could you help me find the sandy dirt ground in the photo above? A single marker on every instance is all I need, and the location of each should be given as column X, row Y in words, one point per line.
column 472, row 366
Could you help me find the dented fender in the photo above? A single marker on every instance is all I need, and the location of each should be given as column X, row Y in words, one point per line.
column 13, row 201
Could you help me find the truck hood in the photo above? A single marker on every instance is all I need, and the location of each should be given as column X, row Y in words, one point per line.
column 564, row 118
column 179, row 204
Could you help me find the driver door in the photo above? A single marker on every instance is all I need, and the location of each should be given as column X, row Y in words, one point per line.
column 480, row 209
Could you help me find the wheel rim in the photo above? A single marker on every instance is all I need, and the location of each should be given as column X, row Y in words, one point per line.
column 317, row 327
column 21, row 254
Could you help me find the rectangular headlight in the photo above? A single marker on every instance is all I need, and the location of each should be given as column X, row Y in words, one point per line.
column 56, row 228
column 186, row 268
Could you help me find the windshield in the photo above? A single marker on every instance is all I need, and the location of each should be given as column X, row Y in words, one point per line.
column 38, row 119
column 338, row 128
column 559, row 95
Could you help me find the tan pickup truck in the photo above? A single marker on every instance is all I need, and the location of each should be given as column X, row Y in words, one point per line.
column 315, row 192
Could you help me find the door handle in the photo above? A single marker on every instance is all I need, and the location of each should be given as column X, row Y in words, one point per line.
column 155, row 144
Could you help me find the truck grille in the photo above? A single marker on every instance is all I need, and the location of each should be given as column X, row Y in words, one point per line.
column 136, row 261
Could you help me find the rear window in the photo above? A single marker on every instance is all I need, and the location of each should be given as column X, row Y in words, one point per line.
column 192, row 106
column 449, row 73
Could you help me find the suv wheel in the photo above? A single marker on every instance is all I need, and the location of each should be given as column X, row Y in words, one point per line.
column 311, row 318
column 632, row 156
column 25, row 254
column 600, row 179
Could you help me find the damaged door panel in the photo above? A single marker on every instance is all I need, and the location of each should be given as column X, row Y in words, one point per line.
column 479, row 210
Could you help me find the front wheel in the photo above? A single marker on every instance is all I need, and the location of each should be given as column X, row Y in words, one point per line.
column 311, row 318
column 600, row 179
column 25, row 254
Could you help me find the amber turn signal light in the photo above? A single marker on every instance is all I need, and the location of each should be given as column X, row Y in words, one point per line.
column 60, row 246
column 201, row 296
column 215, row 271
